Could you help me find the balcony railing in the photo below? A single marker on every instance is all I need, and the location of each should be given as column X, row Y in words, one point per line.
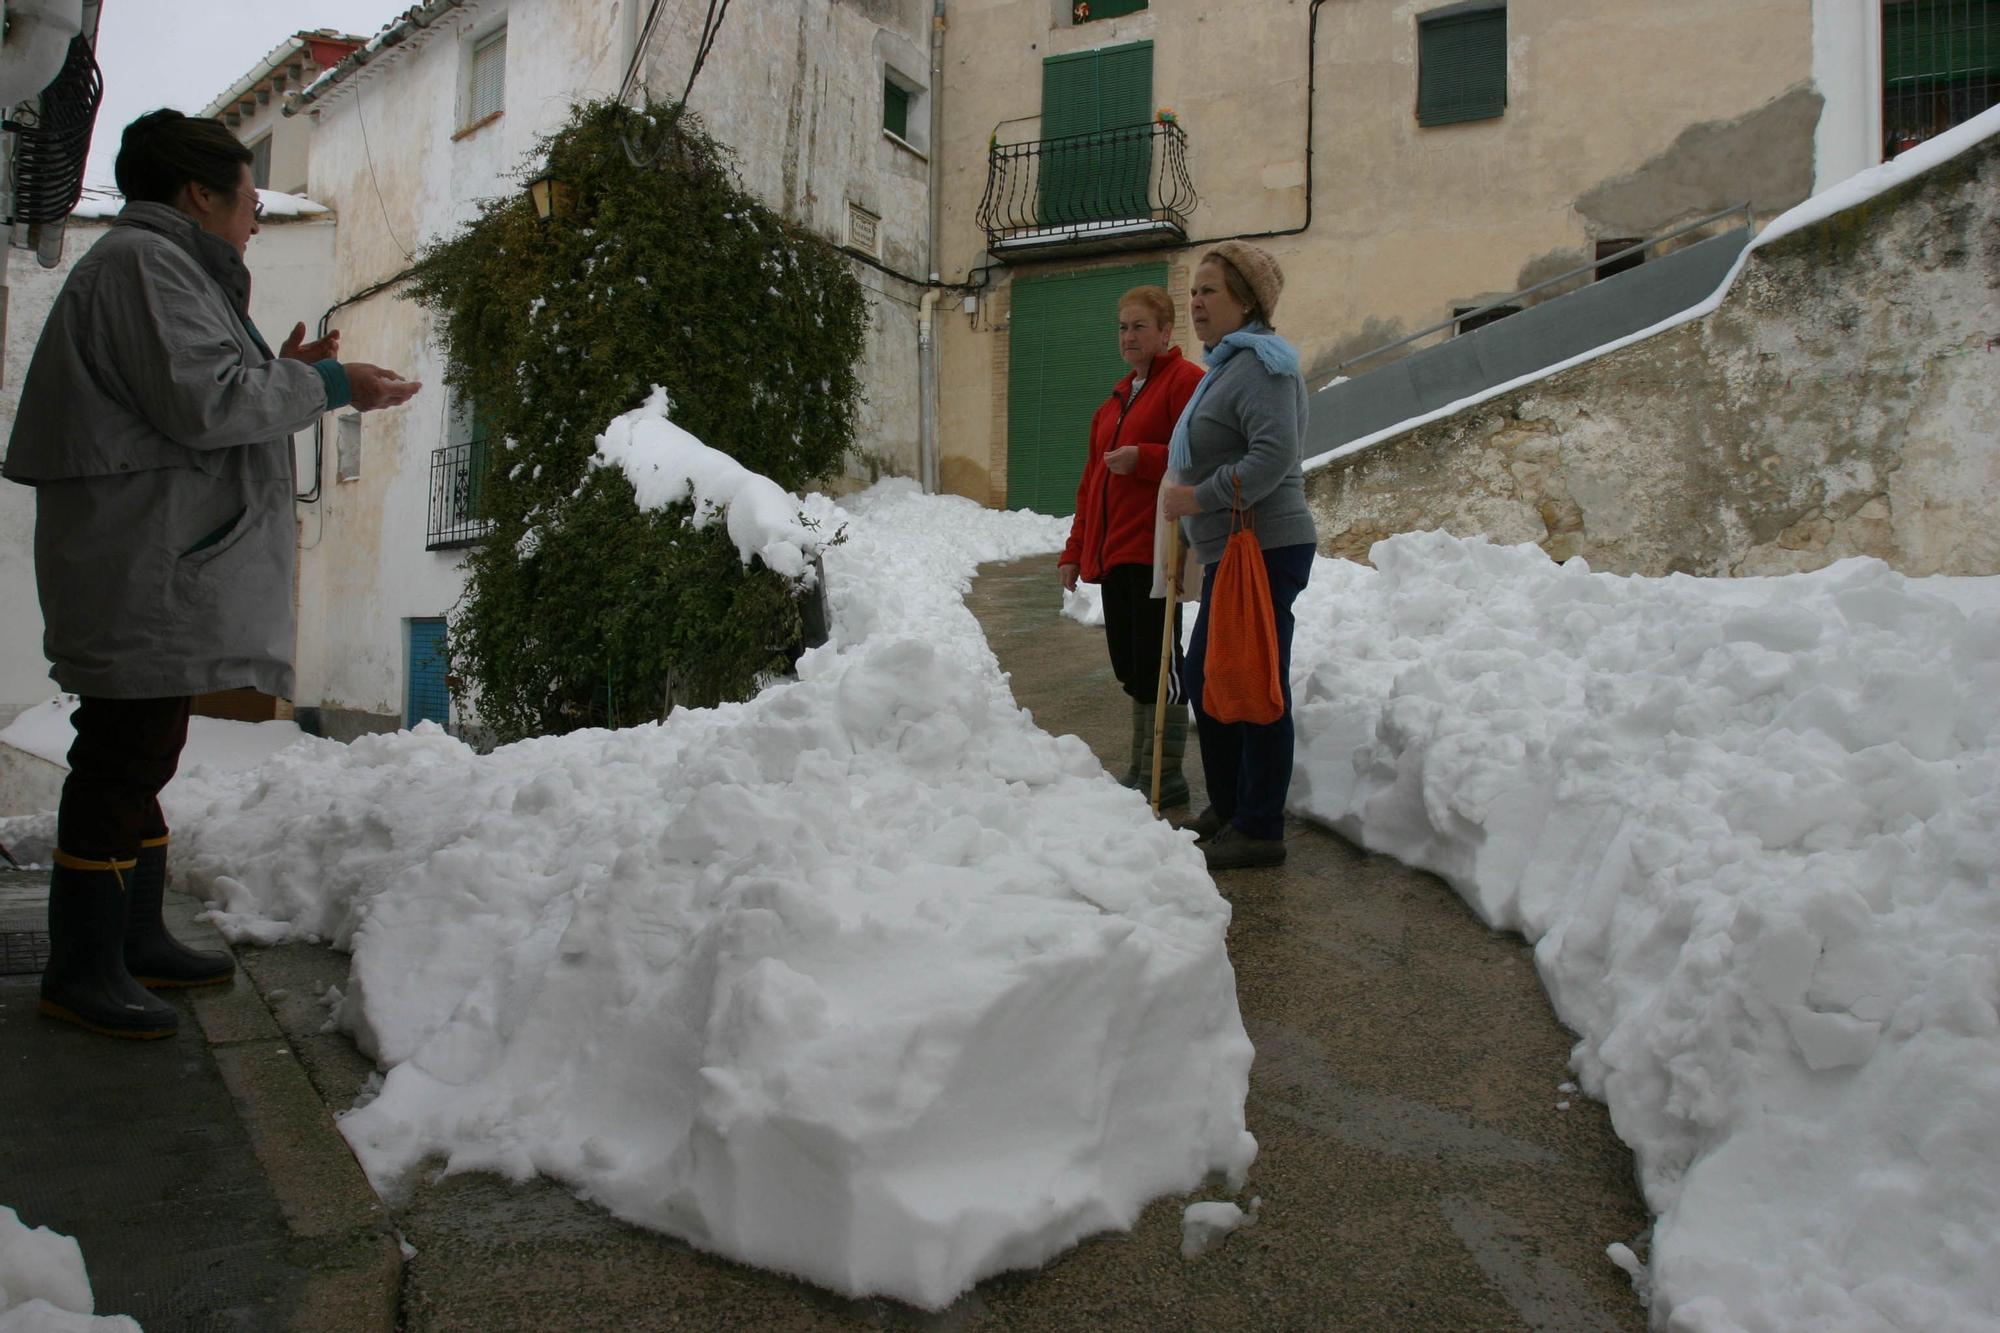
column 458, row 481
column 1108, row 189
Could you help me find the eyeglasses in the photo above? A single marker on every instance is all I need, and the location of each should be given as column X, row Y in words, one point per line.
column 256, row 206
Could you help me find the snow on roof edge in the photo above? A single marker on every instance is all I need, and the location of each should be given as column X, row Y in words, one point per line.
column 101, row 205
column 1855, row 190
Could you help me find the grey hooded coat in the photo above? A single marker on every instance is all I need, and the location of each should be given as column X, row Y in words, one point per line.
column 155, row 428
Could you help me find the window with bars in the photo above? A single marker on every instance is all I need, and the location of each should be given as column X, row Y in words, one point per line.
column 458, row 484
column 1462, row 63
column 486, row 88
column 1940, row 67
column 1084, row 11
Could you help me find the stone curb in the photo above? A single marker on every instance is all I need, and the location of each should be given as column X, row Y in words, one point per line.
column 339, row 1227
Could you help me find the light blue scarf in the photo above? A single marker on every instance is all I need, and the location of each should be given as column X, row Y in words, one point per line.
column 1279, row 357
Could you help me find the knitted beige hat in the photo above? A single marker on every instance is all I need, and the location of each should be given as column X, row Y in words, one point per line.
column 1258, row 268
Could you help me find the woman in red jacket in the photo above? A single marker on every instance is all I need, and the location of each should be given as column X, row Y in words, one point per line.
column 1111, row 537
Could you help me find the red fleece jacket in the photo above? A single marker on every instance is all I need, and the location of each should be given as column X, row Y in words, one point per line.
column 1114, row 514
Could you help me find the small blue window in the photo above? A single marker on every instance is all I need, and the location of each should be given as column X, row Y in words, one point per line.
column 429, row 699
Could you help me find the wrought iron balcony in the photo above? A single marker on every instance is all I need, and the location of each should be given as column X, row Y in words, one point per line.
column 458, row 483
column 1104, row 190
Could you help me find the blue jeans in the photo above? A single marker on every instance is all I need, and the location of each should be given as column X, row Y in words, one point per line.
column 1249, row 767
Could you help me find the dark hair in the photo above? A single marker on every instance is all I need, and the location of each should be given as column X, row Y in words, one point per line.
column 163, row 150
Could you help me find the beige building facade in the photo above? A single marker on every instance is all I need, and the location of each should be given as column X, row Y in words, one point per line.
column 1326, row 132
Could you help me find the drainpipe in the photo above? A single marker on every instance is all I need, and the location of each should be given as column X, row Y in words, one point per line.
column 929, row 462
column 927, row 452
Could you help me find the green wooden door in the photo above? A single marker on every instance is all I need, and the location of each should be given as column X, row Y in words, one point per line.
column 1062, row 350
column 1101, row 176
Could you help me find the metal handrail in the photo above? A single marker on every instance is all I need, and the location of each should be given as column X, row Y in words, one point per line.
column 1743, row 208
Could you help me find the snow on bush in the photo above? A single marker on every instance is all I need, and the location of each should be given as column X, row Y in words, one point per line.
column 667, row 466
column 1752, row 826
column 867, row 980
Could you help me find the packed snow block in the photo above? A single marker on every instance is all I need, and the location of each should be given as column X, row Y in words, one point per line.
column 868, row 979
column 1753, row 828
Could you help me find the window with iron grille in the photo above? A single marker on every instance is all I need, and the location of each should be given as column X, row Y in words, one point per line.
column 1940, row 67
column 1462, row 63
column 1084, row 11
column 486, row 93
column 458, row 484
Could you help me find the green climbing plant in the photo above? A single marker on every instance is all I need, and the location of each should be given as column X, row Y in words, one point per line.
column 581, row 609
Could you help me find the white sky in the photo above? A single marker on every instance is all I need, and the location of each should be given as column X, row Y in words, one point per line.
column 185, row 53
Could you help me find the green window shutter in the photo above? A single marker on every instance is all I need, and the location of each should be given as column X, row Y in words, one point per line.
column 1111, row 9
column 1940, row 39
column 895, row 110
column 1461, row 65
column 1084, row 180
column 1063, row 360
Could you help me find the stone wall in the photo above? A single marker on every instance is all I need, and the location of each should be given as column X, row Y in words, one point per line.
column 1844, row 400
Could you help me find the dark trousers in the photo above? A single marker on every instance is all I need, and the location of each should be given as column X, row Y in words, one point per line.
column 126, row 750
column 1134, row 625
column 1249, row 767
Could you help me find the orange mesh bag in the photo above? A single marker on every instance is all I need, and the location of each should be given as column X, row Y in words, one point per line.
column 1240, row 673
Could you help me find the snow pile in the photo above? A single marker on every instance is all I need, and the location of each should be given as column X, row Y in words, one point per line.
column 1206, row 1225
column 867, row 980
column 668, row 466
column 43, row 1285
column 44, row 730
column 1753, row 827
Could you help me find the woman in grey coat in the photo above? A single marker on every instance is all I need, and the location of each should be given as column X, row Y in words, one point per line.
column 155, row 427
column 1242, row 435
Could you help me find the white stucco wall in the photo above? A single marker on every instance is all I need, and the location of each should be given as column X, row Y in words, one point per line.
column 1847, row 66
column 417, row 174
column 31, row 290
column 791, row 85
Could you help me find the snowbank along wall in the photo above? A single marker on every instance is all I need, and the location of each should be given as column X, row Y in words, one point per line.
column 1840, row 402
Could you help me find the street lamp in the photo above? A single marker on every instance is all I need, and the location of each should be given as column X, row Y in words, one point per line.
column 552, row 198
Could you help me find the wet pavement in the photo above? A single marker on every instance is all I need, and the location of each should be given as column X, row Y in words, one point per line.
column 201, row 1175
column 1414, row 1169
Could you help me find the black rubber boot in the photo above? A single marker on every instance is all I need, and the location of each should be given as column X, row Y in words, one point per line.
column 86, row 982
column 152, row 956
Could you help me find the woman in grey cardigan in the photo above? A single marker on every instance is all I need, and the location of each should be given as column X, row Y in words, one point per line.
column 1242, row 435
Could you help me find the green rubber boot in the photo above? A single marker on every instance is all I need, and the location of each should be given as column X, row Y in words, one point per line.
column 1142, row 745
